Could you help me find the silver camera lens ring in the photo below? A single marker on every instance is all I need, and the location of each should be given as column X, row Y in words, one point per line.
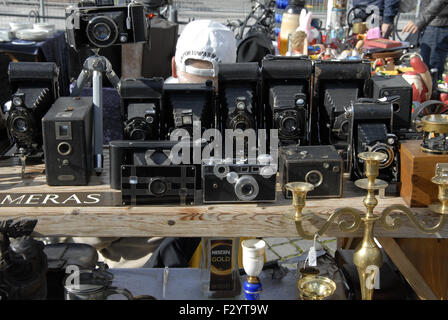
column 64, row 145
column 318, row 173
column 221, row 170
column 244, row 182
column 111, row 25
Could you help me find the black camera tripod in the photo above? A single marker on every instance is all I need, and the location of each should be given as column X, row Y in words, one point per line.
column 93, row 69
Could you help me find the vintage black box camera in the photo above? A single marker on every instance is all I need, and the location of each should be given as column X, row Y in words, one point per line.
column 143, row 185
column 387, row 86
column 372, row 131
column 322, row 166
column 92, row 26
column 67, row 133
column 141, row 101
column 185, row 104
column 36, row 87
column 233, row 181
column 238, row 95
column 286, row 86
column 151, row 153
column 337, row 84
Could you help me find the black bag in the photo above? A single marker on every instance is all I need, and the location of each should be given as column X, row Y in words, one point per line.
column 254, row 47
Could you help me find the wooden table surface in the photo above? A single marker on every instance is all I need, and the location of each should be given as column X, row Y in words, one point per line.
column 228, row 220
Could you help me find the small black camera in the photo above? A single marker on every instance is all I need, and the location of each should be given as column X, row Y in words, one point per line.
column 238, row 95
column 238, row 181
column 36, row 87
column 372, row 132
column 100, row 25
column 141, row 101
column 147, row 172
column 286, row 86
column 289, row 108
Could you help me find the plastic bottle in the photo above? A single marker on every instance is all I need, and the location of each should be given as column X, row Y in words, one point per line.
column 290, row 22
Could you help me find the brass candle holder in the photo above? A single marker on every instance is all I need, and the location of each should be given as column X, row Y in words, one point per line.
column 368, row 257
column 313, row 287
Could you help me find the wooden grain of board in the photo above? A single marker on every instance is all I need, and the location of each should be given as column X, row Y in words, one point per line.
column 230, row 220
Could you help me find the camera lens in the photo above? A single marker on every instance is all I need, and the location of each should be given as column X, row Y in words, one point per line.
column 157, row 187
column 64, row 148
column 20, row 124
column 102, row 31
column 246, row 188
column 289, row 124
column 388, row 151
column 314, row 177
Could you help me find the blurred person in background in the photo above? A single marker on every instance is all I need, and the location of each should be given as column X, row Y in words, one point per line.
column 433, row 21
column 388, row 9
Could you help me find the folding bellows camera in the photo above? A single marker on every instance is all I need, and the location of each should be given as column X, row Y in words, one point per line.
column 35, row 87
column 101, row 24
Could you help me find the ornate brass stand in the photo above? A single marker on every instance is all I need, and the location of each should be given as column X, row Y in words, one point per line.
column 368, row 257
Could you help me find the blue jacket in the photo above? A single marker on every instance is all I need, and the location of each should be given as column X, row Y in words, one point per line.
column 388, row 8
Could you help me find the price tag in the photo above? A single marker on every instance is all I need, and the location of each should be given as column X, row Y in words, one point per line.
column 312, row 257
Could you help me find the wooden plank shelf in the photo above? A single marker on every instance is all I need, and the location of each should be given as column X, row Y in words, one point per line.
column 112, row 220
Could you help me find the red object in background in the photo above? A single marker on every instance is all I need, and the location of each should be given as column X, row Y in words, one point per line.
column 419, row 89
column 444, row 98
column 420, row 67
column 381, row 43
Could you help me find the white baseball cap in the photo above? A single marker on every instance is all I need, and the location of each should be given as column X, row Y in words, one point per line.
column 205, row 40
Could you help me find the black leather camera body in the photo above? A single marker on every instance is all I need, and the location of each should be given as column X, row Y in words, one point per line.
column 141, row 101
column 286, row 86
column 148, row 172
column 143, row 185
column 92, row 26
column 386, row 86
column 36, row 87
column 67, row 134
column 186, row 104
column 372, row 132
column 322, row 166
column 237, row 182
column 337, row 84
column 239, row 98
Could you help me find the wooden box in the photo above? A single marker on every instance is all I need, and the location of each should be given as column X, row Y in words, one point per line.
column 417, row 169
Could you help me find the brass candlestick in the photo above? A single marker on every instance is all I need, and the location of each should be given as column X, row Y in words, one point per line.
column 368, row 257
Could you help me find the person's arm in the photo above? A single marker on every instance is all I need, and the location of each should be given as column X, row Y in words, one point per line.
column 390, row 10
column 430, row 12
